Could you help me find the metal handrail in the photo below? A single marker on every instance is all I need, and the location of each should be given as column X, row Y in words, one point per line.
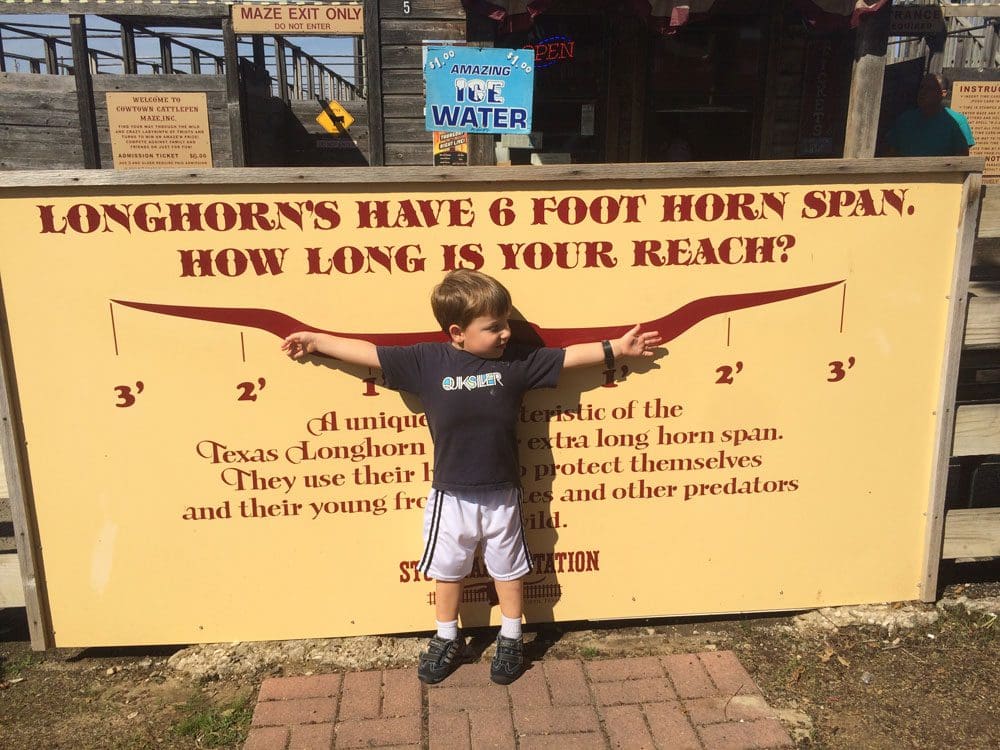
column 309, row 91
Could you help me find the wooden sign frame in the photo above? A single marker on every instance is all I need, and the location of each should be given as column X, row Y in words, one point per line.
column 26, row 184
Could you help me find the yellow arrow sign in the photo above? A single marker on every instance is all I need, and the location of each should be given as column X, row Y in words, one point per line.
column 334, row 118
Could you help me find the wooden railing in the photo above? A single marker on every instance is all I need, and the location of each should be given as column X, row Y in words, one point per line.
column 975, row 532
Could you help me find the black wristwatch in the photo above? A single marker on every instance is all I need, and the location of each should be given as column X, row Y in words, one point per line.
column 609, row 355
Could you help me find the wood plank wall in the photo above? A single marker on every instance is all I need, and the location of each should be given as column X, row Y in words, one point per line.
column 406, row 140
column 39, row 122
column 972, row 530
column 307, row 144
column 783, row 134
column 11, row 589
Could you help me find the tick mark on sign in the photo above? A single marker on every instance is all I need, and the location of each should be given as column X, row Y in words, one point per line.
column 114, row 333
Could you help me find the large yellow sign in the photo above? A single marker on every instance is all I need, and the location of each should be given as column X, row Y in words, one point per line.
column 191, row 483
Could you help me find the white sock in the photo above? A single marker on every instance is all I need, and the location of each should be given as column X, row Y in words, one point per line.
column 448, row 630
column 510, row 627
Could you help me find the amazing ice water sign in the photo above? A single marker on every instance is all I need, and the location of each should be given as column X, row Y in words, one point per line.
column 475, row 90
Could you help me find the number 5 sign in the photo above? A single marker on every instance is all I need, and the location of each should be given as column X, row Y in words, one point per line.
column 476, row 90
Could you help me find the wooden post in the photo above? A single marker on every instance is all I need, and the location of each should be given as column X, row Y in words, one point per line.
column 29, row 556
column 166, row 55
column 769, row 97
column 257, row 41
column 195, row 61
column 84, row 92
column 279, row 55
column 233, row 93
column 297, row 72
column 128, row 49
column 310, row 77
column 866, row 84
column 989, row 45
column 3, row 62
column 359, row 62
column 51, row 57
column 480, row 32
column 373, row 84
column 958, row 300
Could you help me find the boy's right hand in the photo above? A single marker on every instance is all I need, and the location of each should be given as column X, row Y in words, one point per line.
column 299, row 344
column 351, row 351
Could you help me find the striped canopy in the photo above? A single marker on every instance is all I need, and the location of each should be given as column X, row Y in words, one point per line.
column 669, row 15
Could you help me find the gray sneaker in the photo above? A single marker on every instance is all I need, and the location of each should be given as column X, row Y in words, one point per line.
column 508, row 661
column 439, row 660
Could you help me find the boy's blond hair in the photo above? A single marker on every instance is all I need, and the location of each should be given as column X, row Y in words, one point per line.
column 462, row 296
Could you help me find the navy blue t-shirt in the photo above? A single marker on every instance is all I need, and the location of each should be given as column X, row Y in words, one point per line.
column 471, row 405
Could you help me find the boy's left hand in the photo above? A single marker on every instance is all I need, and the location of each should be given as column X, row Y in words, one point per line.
column 636, row 344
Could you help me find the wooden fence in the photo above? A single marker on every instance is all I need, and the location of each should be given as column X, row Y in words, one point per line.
column 972, row 532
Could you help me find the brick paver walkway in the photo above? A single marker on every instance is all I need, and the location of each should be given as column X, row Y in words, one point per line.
column 681, row 702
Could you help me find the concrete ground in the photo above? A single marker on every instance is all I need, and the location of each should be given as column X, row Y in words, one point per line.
column 704, row 701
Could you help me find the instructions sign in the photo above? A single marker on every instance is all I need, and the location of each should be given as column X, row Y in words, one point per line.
column 193, row 484
column 479, row 90
column 274, row 18
column 155, row 129
column 979, row 101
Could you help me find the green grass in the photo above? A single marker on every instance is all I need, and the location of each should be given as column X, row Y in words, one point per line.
column 11, row 667
column 589, row 652
column 215, row 726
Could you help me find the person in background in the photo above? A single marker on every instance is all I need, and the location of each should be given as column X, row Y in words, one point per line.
column 930, row 128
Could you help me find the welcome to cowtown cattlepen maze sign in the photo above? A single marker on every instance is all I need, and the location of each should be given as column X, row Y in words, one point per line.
column 191, row 483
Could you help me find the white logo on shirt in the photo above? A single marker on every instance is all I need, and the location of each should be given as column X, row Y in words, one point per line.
column 471, row 382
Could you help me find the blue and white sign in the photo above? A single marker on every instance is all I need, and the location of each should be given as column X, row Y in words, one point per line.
column 479, row 90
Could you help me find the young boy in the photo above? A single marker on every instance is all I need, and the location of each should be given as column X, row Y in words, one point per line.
column 471, row 389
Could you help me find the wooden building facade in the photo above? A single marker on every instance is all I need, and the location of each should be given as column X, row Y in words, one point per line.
column 742, row 80
column 749, row 81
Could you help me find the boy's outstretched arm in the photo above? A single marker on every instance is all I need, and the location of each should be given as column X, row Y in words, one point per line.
column 352, row 351
column 631, row 344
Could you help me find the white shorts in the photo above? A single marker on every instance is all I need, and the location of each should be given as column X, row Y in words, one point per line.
column 454, row 524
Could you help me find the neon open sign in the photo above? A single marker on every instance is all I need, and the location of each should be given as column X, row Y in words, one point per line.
column 552, row 49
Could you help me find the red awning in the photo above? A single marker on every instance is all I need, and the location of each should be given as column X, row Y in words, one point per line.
column 667, row 16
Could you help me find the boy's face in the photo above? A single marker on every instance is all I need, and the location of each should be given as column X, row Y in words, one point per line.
column 486, row 336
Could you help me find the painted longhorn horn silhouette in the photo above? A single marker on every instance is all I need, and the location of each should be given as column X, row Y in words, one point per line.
column 670, row 325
